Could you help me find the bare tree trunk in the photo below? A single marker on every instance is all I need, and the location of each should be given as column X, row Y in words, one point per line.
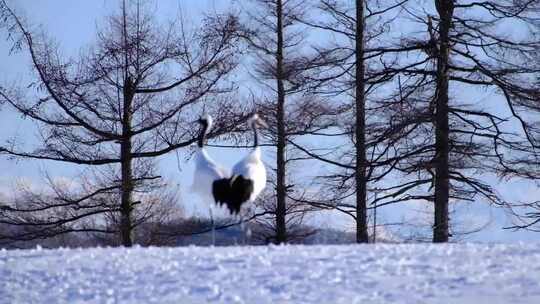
column 127, row 190
column 360, row 170
column 281, row 233
column 445, row 9
column 127, row 179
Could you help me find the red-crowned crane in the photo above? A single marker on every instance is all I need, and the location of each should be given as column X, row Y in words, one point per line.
column 210, row 180
column 248, row 175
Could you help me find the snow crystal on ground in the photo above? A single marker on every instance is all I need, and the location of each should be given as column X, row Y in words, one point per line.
column 455, row 273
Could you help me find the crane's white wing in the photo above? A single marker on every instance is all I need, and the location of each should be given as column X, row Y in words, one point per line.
column 206, row 172
column 252, row 167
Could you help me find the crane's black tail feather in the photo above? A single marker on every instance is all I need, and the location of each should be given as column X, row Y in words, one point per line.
column 232, row 192
column 241, row 189
column 221, row 190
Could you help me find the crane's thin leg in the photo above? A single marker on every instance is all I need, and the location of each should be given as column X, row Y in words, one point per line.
column 248, row 234
column 234, row 219
column 246, row 230
column 242, row 227
column 213, row 226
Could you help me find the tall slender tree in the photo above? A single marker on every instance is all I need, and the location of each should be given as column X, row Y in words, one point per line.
column 342, row 75
column 281, row 187
column 281, row 62
column 445, row 9
column 360, row 129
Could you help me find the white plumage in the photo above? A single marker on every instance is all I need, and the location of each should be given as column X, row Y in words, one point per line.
column 249, row 175
column 207, row 171
column 252, row 168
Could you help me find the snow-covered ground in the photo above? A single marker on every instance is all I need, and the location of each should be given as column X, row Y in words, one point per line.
column 458, row 273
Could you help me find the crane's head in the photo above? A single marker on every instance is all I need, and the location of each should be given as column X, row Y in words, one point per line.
column 206, row 124
column 205, row 120
column 255, row 121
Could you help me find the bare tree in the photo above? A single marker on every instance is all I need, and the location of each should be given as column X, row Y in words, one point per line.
column 526, row 215
column 361, row 28
column 464, row 49
column 125, row 100
column 281, row 65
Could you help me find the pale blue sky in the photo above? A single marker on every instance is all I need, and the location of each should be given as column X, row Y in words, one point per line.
column 73, row 24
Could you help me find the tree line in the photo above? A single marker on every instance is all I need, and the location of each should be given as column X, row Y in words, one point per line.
column 385, row 97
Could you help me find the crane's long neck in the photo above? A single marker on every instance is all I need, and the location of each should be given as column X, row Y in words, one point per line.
column 255, row 135
column 202, row 135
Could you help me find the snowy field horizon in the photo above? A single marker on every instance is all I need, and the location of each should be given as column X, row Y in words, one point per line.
column 270, row 151
column 486, row 220
column 378, row 273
